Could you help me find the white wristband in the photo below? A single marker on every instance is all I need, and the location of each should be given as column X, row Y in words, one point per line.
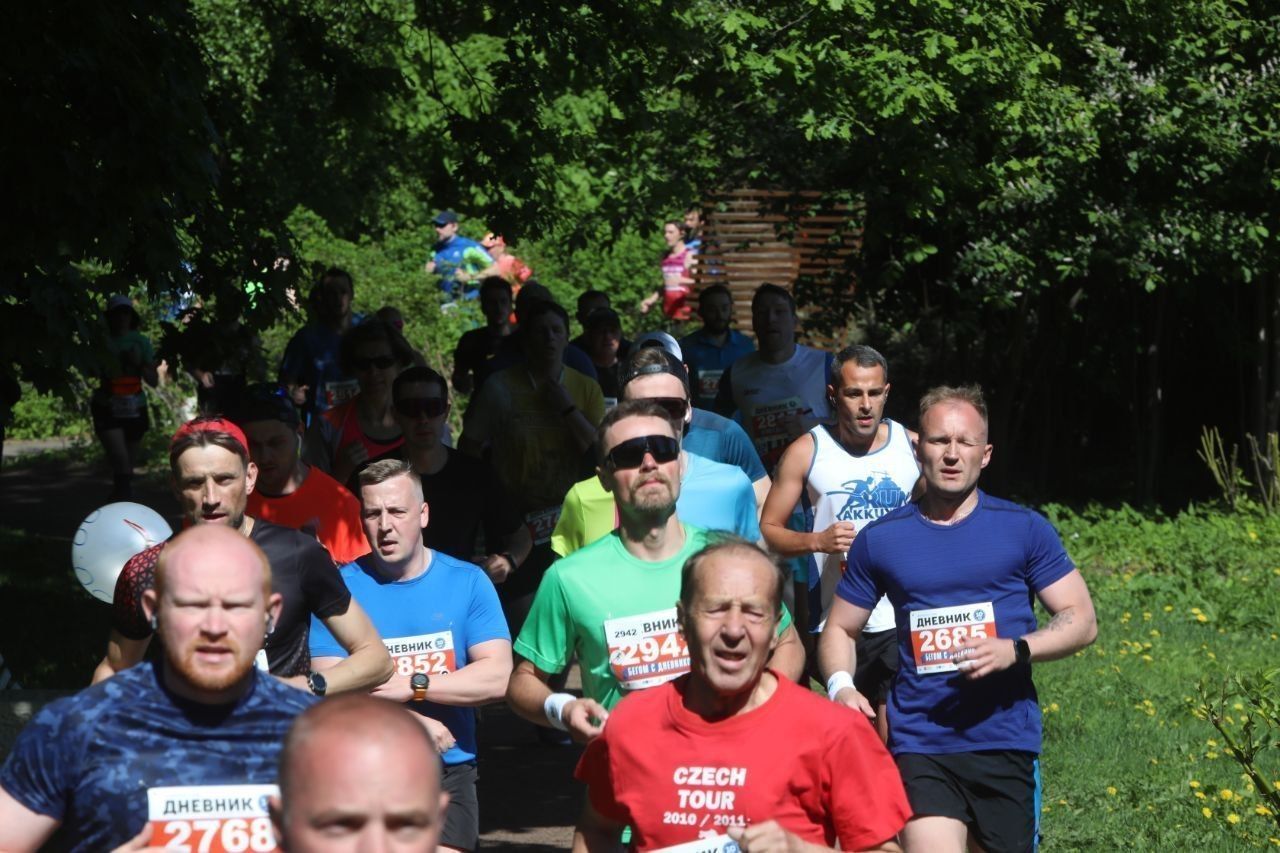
column 837, row 682
column 554, row 707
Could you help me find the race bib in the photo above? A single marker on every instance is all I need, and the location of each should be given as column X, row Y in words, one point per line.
column 712, row 844
column 340, row 391
column 542, row 523
column 709, row 383
column 128, row 405
column 431, row 654
column 934, row 633
column 646, row 650
column 211, row 818
column 774, row 425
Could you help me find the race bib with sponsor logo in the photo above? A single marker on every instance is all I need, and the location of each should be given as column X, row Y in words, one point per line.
column 710, row 844
column 934, row 633
column 211, row 818
column 709, row 383
column 340, row 391
column 542, row 523
column 646, row 650
column 431, row 654
column 775, row 425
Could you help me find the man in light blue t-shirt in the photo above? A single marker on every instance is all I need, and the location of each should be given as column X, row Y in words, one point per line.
column 959, row 568
column 440, row 620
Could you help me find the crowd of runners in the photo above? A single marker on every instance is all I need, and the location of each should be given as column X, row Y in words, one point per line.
column 704, row 524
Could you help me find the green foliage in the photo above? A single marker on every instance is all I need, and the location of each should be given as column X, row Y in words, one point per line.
column 39, row 415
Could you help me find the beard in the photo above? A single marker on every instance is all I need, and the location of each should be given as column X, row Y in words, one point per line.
column 213, row 679
column 647, row 499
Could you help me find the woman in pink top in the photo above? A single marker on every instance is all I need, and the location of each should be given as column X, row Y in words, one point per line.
column 677, row 284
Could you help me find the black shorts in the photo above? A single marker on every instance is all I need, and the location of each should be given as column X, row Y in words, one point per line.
column 995, row 794
column 877, row 664
column 104, row 420
column 462, row 815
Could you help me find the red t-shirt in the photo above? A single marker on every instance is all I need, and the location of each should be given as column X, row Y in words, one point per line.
column 815, row 767
column 321, row 507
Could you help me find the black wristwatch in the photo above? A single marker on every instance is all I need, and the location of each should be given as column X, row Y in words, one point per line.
column 419, row 682
column 1021, row 651
column 317, row 683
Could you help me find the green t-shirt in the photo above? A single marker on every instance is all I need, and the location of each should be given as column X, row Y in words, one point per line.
column 604, row 604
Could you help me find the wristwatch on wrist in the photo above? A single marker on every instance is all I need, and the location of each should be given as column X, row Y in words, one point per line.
column 506, row 555
column 1021, row 651
column 419, row 681
column 316, row 682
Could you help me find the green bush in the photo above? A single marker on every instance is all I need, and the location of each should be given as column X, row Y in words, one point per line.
column 39, row 415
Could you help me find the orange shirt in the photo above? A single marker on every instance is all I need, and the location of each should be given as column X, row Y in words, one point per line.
column 322, row 507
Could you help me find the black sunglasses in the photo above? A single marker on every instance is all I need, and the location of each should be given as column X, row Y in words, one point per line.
column 382, row 362
column 630, row 453
column 412, row 407
column 677, row 407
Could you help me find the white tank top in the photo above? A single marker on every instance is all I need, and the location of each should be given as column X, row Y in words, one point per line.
column 844, row 487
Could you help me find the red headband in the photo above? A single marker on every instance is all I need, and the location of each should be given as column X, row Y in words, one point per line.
column 211, row 425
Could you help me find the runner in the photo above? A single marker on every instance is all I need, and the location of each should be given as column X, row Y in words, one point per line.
column 470, row 508
column 538, row 419
column 310, row 368
column 119, row 405
column 442, row 624
column 289, row 492
column 958, row 567
column 698, row 764
column 845, row 476
column 713, row 349
column 612, row 603
column 780, row 391
column 183, row 749
column 358, row 773
column 212, row 478
column 713, row 495
column 477, row 346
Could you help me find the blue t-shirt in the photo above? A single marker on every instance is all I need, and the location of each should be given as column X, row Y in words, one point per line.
column 718, row 438
column 718, row 497
column 311, row 359
column 708, row 361
column 89, row 759
column 1001, row 553
column 428, row 624
column 449, row 257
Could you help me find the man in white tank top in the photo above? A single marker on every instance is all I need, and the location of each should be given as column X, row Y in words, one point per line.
column 845, row 476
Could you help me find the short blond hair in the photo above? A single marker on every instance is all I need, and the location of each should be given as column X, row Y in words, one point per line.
column 939, row 394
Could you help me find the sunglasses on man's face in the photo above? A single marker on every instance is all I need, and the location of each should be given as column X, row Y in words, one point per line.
column 677, row 407
column 381, row 362
column 413, row 407
column 631, row 453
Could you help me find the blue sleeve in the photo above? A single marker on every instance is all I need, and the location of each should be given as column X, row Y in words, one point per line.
column 856, row 585
column 322, row 643
column 748, row 525
column 1047, row 560
column 739, row 451
column 41, row 770
column 485, row 619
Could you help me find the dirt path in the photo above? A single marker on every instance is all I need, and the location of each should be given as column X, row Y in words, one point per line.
column 528, row 799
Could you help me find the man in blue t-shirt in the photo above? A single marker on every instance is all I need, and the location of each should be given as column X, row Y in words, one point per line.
column 440, row 620
column 713, row 349
column 177, row 752
column 959, row 568
column 456, row 260
column 310, row 368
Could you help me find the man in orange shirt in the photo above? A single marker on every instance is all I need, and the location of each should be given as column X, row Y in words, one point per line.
column 290, row 492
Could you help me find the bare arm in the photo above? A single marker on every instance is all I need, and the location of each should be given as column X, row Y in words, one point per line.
column 784, row 494
column 788, row 655
column 836, row 651
column 769, row 837
column 595, row 832
column 1072, row 627
column 482, row 680
column 518, row 544
column 122, row 653
column 527, row 694
column 367, row 664
column 21, row 829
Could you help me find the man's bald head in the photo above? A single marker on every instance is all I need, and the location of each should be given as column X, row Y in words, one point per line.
column 357, row 767
column 206, row 540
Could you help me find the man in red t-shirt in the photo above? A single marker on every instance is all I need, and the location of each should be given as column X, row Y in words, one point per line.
column 289, row 492
column 731, row 756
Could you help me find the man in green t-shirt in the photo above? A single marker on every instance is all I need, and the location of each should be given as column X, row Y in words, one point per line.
column 613, row 602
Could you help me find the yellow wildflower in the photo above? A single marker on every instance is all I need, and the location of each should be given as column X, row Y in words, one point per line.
column 1262, row 811
column 1233, row 818
column 1111, row 790
column 1206, row 811
column 1193, row 783
column 1227, row 794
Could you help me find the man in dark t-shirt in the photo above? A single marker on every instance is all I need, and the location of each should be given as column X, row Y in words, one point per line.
column 212, row 477
column 472, row 517
column 180, row 750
